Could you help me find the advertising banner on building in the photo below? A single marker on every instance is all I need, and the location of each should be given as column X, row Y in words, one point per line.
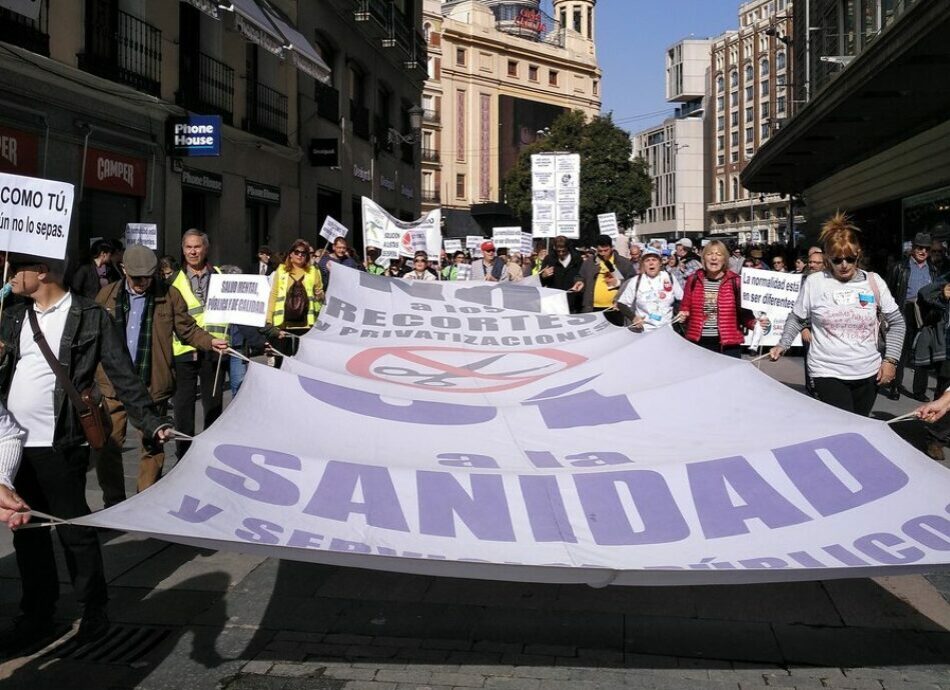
column 35, row 215
column 477, row 440
column 114, row 172
column 194, row 135
column 19, row 152
column 393, row 237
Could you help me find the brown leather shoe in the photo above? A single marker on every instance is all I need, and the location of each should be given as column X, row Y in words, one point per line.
column 935, row 450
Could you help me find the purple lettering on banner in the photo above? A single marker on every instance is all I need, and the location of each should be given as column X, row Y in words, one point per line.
column 709, row 482
column 466, row 460
column 333, row 498
column 542, row 458
column 349, row 546
column 872, row 546
column 414, row 288
column 843, row 555
column 609, row 522
column 806, row 559
column 601, row 458
column 764, row 563
column 516, row 297
column 404, row 320
column 588, row 408
column 192, row 511
column 927, row 530
column 270, row 487
column 877, row 475
column 302, row 539
column 545, row 508
column 484, row 512
column 418, row 412
column 259, row 531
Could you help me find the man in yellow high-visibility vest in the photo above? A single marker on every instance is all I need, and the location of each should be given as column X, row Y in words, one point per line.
column 192, row 365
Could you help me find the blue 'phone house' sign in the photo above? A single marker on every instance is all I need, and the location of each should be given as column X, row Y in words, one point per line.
column 195, row 135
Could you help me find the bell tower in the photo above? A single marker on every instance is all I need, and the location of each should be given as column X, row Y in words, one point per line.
column 577, row 15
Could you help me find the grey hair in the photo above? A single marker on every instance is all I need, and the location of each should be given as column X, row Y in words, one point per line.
column 195, row 232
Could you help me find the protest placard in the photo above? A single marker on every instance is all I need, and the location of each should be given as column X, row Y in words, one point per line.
column 507, row 238
column 240, row 299
column 332, row 229
column 145, row 234
column 35, row 215
column 463, row 271
column 608, row 224
column 555, row 194
column 771, row 294
column 452, row 246
column 527, row 243
column 474, row 245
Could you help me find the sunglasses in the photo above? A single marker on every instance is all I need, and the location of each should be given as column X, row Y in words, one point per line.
column 838, row 260
column 300, row 252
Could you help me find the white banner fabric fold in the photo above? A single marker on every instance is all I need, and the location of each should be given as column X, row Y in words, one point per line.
column 542, row 456
column 395, row 237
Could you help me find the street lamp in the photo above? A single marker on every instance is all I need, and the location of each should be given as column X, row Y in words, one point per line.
column 415, row 124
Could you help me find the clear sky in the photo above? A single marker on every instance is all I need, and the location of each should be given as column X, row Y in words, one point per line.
column 632, row 38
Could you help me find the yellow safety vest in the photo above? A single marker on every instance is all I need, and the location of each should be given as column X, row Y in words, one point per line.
column 312, row 280
column 197, row 311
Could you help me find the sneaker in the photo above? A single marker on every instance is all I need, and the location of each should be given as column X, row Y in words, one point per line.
column 94, row 624
column 26, row 633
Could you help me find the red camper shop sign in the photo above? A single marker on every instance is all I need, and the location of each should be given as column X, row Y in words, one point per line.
column 114, row 172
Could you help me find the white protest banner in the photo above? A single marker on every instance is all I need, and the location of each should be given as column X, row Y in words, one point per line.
column 332, row 229
column 481, row 462
column 145, row 234
column 527, row 243
column 473, row 243
column 507, row 238
column 393, row 237
column 35, row 215
column 608, row 224
column 771, row 294
column 240, row 299
column 452, row 246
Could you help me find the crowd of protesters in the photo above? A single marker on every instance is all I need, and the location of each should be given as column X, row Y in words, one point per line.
column 134, row 326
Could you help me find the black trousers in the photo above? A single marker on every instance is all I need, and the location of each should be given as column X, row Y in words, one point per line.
column 55, row 483
column 712, row 343
column 854, row 396
column 187, row 376
column 919, row 385
column 614, row 317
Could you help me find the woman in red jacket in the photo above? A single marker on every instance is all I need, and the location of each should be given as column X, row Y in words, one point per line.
column 712, row 304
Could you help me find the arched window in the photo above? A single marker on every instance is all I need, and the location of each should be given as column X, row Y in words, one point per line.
column 735, row 188
column 720, row 84
column 722, row 191
column 734, row 79
column 764, row 67
column 749, row 73
column 427, row 30
column 780, row 60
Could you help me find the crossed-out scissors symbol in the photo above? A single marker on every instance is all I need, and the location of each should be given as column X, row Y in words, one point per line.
column 464, row 371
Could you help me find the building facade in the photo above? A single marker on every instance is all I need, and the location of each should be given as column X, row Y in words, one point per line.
column 499, row 74
column 749, row 98
column 873, row 135
column 675, row 150
column 90, row 88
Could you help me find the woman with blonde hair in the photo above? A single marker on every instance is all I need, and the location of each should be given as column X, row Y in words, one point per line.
column 844, row 305
column 711, row 307
column 295, row 299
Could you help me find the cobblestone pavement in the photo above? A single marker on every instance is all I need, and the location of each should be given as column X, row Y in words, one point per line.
column 192, row 618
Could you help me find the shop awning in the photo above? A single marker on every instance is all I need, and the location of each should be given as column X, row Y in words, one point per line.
column 893, row 90
column 254, row 25
column 304, row 55
column 209, row 7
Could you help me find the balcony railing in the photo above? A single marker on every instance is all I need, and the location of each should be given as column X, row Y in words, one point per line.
column 328, row 102
column 30, row 34
column 132, row 55
column 209, row 89
column 430, row 155
column 430, row 196
column 359, row 116
column 374, row 12
column 266, row 112
column 400, row 33
column 433, row 116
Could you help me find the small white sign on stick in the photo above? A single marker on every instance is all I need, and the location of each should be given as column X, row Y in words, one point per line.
column 452, row 246
column 332, row 229
column 145, row 234
column 34, row 215
column 474, row 245
column 240, row 299
column 608, row 224
column 507, row 238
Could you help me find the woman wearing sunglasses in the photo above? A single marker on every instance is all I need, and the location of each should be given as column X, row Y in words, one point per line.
column 295, row 299
column 844, row 305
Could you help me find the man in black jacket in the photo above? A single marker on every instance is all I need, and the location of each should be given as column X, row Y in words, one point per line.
column 52, row 473
column 561, row 270
column 906, row 280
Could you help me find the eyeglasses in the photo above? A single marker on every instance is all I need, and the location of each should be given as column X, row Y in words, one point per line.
column 300, row 252
column 838, row 260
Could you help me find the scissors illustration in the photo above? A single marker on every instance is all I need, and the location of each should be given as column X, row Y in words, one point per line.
column 442, row 380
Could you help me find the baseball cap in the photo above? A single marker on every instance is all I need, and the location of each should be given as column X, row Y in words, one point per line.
column 649, row 251
column 488, row 246
column 686, row 242
column 139, row 261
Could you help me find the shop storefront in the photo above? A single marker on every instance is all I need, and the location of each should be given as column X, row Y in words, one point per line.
column 200, row 198
column 261, row 203
column 19, row 152
column 112, row 190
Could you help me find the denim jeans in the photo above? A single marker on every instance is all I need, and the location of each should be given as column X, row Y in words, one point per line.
column 236, row 371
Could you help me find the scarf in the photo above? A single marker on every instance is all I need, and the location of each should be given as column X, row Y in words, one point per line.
column 143, row 351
